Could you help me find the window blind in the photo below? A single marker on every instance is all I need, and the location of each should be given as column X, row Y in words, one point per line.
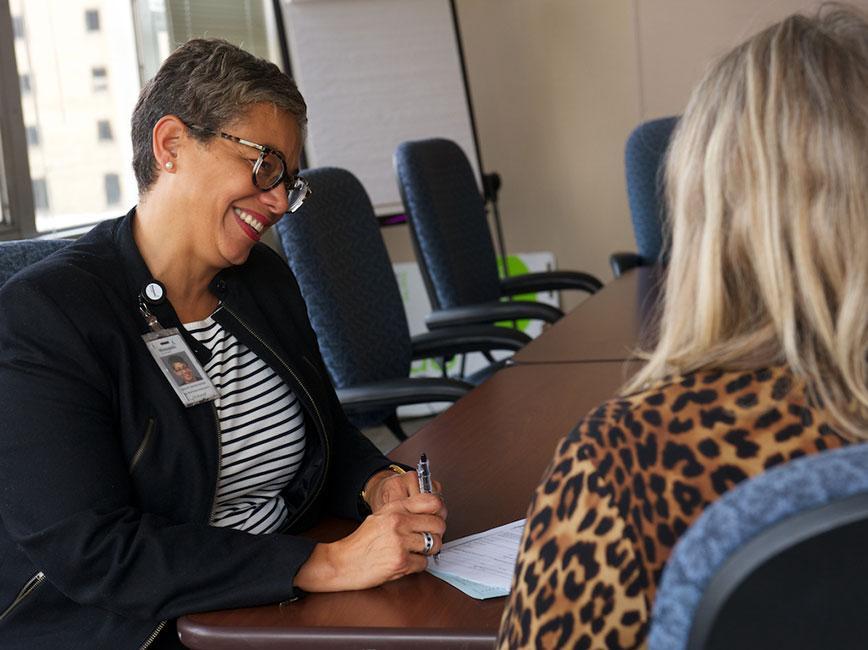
column 245, row 23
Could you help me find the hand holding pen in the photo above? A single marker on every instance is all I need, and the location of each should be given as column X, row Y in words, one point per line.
column 394, row 484
column 393, row 541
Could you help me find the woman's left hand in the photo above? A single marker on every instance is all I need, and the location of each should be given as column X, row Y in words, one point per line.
column 386, row 486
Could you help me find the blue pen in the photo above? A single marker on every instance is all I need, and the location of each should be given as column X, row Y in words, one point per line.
column 423, row 472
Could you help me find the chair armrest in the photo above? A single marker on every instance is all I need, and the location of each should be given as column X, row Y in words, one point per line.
column 492, row 312
column 623, row 262
column 549, row 281
column 397, row 392
column 449, row 341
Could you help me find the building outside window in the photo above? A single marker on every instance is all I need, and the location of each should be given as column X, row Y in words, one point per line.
column 67, row 113
column 33, row 136
column 99, row 75
column 104, row 131
column 92, row 76
column 40, row 194
column 91, row 20
column 112, row 189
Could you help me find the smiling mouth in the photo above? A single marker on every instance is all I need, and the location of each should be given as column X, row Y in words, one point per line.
column 250, row 220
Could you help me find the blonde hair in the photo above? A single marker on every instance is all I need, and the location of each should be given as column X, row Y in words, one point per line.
column 767, row 187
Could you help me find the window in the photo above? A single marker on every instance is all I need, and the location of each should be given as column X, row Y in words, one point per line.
column 112, row 189
column 68, row 114
column 104, row 131
column 91, row 20
column 99, row 76
column 100, row 80
column 40, row 194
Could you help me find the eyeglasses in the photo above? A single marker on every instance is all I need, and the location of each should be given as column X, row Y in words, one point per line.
column 269, row 170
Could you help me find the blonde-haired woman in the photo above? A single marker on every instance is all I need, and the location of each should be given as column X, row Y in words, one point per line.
column 764, row 334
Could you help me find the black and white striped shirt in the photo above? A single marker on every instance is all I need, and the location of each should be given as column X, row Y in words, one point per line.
column 261, row 433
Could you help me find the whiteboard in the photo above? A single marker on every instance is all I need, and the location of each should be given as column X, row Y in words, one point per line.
column 375, row 73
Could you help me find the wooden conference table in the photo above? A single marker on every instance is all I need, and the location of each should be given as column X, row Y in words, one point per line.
column 489, row 451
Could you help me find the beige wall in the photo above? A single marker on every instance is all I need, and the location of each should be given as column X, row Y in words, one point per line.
column 677, row 39
column 557, row 85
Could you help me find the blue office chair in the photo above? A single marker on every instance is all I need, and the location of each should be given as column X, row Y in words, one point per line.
column 778, row 562
column 453, row 244
column 644, row 155
column 15, row 255
column 335, row 249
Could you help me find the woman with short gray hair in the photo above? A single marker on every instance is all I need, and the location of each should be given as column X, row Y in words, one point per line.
column 130, row 497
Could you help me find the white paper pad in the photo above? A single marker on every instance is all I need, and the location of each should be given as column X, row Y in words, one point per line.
column 480, row 565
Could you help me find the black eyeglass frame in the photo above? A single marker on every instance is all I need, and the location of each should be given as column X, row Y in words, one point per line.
column 291, row 182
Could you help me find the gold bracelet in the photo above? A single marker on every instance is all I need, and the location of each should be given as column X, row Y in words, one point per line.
column 394, row 468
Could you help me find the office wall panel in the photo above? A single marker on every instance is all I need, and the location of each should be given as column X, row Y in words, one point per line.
column 678, row 38
column 555, row 88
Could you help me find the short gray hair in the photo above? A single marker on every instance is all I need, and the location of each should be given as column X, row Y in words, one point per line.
column 210, row 83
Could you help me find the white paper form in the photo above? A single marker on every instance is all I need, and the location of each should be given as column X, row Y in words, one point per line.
column 480, row 565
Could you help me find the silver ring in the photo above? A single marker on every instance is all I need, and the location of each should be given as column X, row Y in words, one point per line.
column 429, row 543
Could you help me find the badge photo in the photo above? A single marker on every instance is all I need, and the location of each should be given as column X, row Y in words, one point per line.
column 180, row 367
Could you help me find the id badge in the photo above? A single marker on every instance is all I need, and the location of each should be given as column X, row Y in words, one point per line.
column 180, row 366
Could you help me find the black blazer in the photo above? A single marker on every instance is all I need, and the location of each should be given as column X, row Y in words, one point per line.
column 107, row 481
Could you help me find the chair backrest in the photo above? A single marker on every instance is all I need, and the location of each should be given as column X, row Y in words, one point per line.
column 779, row 561
column 334, row 247
column 15, row 255
column 447, row 223
column 644, row 154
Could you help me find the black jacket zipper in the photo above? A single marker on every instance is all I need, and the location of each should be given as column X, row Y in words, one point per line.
column 144, row 444
column 28, row 588
column 153, row 636
column 219, row 463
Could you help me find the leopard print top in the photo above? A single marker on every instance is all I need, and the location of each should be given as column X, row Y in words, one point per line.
column 626, row 484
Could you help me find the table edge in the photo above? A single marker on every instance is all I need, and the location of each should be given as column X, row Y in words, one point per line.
column 199, row 636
